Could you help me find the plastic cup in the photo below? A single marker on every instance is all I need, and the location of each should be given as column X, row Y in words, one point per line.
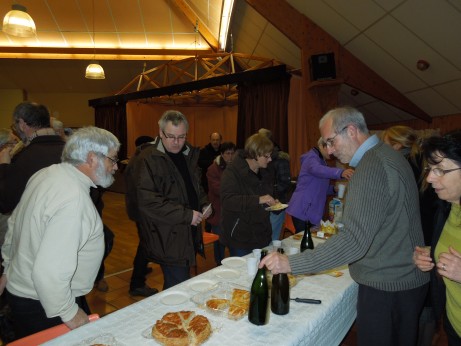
column 252, row 266
column 292, row 250
column 257, row 254
column 276, row 244
column 341, row 190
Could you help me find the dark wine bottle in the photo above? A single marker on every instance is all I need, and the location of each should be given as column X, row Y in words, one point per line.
column 259, row 297
column 307, row 242
column 280, row 293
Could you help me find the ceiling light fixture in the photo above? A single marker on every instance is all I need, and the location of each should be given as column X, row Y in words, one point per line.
column 94, row 70
column 18, row 22
column 225, row 22
column 422, row 65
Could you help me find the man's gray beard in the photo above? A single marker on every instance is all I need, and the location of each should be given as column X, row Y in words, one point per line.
column 103, row 178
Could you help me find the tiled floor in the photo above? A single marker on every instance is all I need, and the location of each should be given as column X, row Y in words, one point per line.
column 119, row 264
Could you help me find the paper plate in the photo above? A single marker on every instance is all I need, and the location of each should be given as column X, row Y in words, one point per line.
column 234, row 262
column 228, row 274
column 202, row 285
column 277, row 207
column 174, row 298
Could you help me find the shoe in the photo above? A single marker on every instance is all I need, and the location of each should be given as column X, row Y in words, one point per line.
column 102, row 285
column 145, row 291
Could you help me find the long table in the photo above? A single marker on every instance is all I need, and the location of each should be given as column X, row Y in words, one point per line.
column 306, row 324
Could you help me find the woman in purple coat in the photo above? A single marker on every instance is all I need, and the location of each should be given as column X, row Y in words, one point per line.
column 308, row 200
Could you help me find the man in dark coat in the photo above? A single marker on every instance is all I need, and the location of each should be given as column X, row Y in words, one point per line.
column 165, row 198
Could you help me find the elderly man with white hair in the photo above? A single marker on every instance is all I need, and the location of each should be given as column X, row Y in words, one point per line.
column 55, row 242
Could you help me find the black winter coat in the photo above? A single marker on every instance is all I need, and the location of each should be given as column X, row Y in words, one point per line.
column 245, row 223
column 157, row 200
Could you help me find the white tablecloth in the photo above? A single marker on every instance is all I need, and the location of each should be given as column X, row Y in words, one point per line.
column 306, row 324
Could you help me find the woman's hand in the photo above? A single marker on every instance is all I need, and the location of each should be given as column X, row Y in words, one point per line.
column 422, row 258
column 449, row 264
column 268, row 199
column 347, row 173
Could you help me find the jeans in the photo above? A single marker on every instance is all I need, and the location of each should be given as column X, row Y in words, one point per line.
column 277, row 220
column 239, row 252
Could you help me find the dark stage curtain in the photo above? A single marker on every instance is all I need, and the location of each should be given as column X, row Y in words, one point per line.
column 113, row 119
column 264, row 105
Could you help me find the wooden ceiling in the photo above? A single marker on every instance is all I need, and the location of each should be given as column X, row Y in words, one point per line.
column 131, row 36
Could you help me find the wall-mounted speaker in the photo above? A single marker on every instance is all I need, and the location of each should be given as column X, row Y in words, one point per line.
column 323, row 67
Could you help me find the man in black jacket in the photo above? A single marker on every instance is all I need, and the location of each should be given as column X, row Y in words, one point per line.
column 207, row 155
column 43, row 148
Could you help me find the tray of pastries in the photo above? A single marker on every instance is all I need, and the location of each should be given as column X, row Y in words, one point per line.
column 225, row 299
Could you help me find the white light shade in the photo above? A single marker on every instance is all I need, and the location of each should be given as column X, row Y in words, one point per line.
column 94, row 71
column 17, row 22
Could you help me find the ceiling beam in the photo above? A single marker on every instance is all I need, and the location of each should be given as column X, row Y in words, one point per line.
column 197, row 23
column 255, row 76
column 99, row 53
column 312, row 39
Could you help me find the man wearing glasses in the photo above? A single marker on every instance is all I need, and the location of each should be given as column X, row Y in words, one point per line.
column 381, row 229
column 165, row 198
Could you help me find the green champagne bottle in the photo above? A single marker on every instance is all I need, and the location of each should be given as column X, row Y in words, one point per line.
column 307, row 242
column 280, row 293
column 259, row 297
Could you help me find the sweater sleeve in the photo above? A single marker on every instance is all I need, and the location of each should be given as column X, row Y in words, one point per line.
column 313, row 165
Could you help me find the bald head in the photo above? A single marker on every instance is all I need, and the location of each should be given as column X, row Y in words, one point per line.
column 215, row 140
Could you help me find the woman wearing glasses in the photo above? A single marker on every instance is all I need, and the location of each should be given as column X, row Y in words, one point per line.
column 245, row 193
column 443, row 155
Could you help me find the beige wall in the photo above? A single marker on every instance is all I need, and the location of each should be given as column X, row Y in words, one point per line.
column 9, row 98
column 70, row 108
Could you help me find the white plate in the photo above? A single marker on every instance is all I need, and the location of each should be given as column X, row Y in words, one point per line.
column 174, row 298
column 277, row 207
column 226, row 273
column 234, row 262
column 202, row 285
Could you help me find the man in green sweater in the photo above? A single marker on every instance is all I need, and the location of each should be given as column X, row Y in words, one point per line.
column 381, row 229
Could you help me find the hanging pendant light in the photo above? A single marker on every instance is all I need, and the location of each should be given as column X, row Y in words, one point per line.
column 94, row 70
column 18, row 22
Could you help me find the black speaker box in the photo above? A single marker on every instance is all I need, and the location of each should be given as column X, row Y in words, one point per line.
column 323, row 67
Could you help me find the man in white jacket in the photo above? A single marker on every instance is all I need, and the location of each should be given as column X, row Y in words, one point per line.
column 55, row 242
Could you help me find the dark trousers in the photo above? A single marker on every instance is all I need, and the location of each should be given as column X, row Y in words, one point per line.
column 452, row 337
column 140, row 262
column 29, row 317
column 173, row 275
column 138, row 277
column 389, row 318
column 300, row 225
column 108, row 244
column 218, row 248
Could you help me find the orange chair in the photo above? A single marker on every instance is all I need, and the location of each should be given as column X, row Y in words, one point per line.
column 288, row 226
column 46, row 335
column 208, row 238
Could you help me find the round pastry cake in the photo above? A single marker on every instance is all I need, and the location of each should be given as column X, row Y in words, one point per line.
column 181, row 328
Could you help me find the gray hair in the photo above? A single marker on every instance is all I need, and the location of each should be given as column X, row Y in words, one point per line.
column 344, row 116
column 176, row 118
column 86, row 140
column 4, row 136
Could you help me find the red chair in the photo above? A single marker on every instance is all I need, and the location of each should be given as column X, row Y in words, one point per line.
column 46, row 335
column 208, row 238
column 288, row 226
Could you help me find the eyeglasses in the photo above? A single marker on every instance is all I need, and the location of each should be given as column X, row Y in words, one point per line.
column 174, row 138
column 114, row 161
column 267, row 156
column 329, row 142
column 439, row 171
